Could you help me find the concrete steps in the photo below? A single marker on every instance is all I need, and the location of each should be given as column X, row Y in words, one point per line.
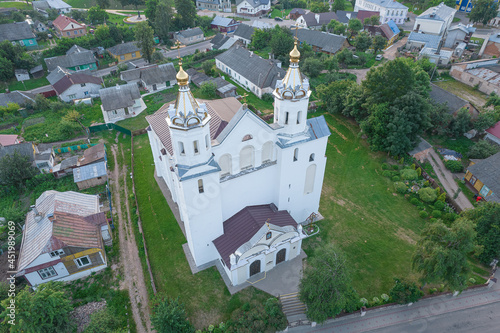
column 294, row 309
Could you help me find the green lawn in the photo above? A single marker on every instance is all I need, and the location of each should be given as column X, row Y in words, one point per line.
column 28, row 85
column 460, row 89
column 18, row 5
column 279, row 13
column 113, row 4
column 374, row 227
column 205, row 295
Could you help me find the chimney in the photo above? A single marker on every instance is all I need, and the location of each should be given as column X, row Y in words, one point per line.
column 232, row 259
column 251, row 53
column 33, row 208
column 51, row 217
column 316, row 16
column 117, row 86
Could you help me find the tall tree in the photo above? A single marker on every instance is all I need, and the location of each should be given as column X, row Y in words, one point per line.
column 354, row 26
column 103, row 4
column 169, row 316
column 97, row 15
column 320, row 7
column 483, row 11
column 338, row 5
column 15, row 169
column 186, row 10
column 144, row 37
column 281, row 41
column 334, row 95
column 379, row 43
column 441, row 254
column 151, row 6
column 363, row 41
column 326, row 285
column 163, row 21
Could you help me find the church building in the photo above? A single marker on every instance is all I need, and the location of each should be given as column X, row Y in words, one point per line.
column 243, row 186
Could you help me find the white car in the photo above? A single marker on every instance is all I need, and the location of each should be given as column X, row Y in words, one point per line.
column 379, row 57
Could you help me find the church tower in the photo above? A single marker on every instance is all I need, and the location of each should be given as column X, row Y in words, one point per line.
column 196, row 174
column 291, row 98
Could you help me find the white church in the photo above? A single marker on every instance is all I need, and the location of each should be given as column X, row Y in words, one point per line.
column 243, row 186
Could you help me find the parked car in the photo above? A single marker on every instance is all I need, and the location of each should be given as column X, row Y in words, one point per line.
column 379, row 57
column 278, row 18
column 49, row 35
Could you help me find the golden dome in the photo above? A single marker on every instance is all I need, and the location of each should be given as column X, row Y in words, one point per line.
column 295, row 54
column 182, row 77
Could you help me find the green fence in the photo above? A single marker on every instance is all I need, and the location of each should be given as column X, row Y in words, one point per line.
column 102, row 127
column 72, row 148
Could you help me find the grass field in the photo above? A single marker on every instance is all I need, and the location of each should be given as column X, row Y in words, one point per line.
column 113, row 4
column 28, row 85
column 460, row 89
column 279, row 13
column 18, row 5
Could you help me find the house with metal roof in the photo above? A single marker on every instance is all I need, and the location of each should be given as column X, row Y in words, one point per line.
column 295, row 13
column 483, row 74
column 220, row 5
column 125, row 51
column 9, row 139
column 151, row 78
column 90, row 175
column 63, row 238
column 244, row 33
column 251, row 71
column 453, row 103
column 76, row 59
column 322, row 41
column 435, row 20
column 222, row 42
column 77, row 86
column 459, row 33
column 388, row 9
column 189, row 36
column 121, row 102
column 223, row 88
column 493, row 134
column 484, row 177
column 18, row 33
column 224, row 24
column 67, row 27
column 18, row 97
column 315, row 20
column 253, row 7
column 59, row 5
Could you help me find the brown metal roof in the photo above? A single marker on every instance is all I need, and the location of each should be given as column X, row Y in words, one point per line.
column 77, row 78
column 93, row 154
column 74, row 230
column 242, row 226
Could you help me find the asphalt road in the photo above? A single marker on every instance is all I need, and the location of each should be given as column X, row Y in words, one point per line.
column 188, row 50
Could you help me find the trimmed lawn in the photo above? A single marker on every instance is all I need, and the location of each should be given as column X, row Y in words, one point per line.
column 205, row 295
column 18, row 5
column 279, row 13
column 375, row 228
column 30, row 84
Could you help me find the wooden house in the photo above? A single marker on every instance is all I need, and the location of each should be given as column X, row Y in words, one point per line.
column 90, row 175
column 484, row 177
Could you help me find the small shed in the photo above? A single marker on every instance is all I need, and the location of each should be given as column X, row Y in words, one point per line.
column 493, row 134
column 22, row 74
column 37, row 72
column 421, row 151
column 90, row 175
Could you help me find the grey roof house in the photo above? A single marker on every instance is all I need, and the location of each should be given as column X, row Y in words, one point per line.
column 249, row 70
column 453, row 102
column 244, row 33
column 315, row 20
column 18, row 32
column 152, row 78
column 223, row 88
column 322, row 41
column 189, row 36
column 18, row 97
column 77, row 58
column 125, row 51
column 121, row 102
column 484, row 176
column 90, row 175
column 222, row 42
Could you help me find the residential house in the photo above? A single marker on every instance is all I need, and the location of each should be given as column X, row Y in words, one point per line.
column 435, row 20
column 253, row 7
column 67, row 27
column 495, row 21
column 189, row 36
column 121, row 102
column 321, row 41
column 345, row 16
column 421, row 151
column 224, row 89
column 465, row 5
column 37, row 72
column 59, row 5
column 388, row 9
column 220, row 5
column 222, row 42
column 492, row 47
column 76, row 59
column 22, row 74
column 94, row 154
column 224, row 24
column 24, row 149
column 125, row 51
column 483, row 74
column 484, row 177
column 77, row 86
column 91, row 175
column 249, row 70
column 296, row 13
column 315, row 20
column 18, row 97
column 452, row 101
column 39, row 26
column 458, row 34
column 244, row 33
column 493, row 134
column 66, row 167
column 388, row 30
column 9, row 139
column 429, row 46
column 151, row 78
column 58, row 73
column 18, row 33
column 63, row 238
column 364, row 14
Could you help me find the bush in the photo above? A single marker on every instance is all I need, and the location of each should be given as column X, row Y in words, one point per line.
column 387, row 173
column 439, row 205
column 454, row 166
column 395, row 167
column 427, row 194
column 405, row 292
column 396, row 179
column 268, row 98
column 433, row 220
column 409, row 174
column 423, row 214
column 426, row 183
column 103, row 321
column 483, row 149
column 415, row 201
column 419, row 172
column 436, row 213
column 442, row 197
column 412, row 166
column 385, row 166
column 400, row 187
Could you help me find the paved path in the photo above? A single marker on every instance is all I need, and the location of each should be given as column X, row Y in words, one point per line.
column 391, row 52
column 188, row 50
column 436, row 314
column 447, row 180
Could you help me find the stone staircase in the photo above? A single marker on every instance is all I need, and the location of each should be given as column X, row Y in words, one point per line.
column 294, row 309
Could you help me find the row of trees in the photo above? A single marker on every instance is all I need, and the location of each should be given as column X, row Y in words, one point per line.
column 11, row 57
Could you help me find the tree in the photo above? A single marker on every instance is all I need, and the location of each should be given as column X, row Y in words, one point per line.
column 186, row 10
column 482, row 149
column 379, row 43
column 372, row 20
column 312, row 66
column 144, row 37
column 79, row 15
column 441, row 254
column 163, row 19
column 6, row 69
column 97, row 15
column 338, row 5
column 207, row 67
column 169, row 316
column 354, row 26
column 336, row 27
column 15, row 169
column 45, row 310
column 334, row 95
column 404, row 292
column 18, row 17
column 320, row 7
column 486, row 218
column 115, row 34
column 208, row 89
column 260, row 39
column 486, row 119
column 440, row 119
column 427, row 194
column 103, row 4
column 151, row 11
column 483, row 11
column 363, row 41
column 102, row 34
column 461, row 123
column 326, row 284
column 281, row 41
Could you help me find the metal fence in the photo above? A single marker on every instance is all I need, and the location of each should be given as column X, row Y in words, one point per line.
column 72, row 148
column 103, row 127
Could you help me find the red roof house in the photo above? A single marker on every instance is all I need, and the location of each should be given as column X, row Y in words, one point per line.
column 68, row 27
column 493, row 133
column 8, row 139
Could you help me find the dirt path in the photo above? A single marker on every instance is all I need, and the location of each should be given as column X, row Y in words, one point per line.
column 446, row 179
column 132, row 269
column 360, row 73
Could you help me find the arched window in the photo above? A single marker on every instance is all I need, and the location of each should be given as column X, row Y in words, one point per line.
column 207, row 141
column 267, row 152
column 181, row 148
column 286, row 118
column 225, row 165
column 296, row 154
column 246, row 157
column 195, row 147
column 299, row 114
column 311, row 158
column 200, row 186
column 247, row 137
column 310, row 175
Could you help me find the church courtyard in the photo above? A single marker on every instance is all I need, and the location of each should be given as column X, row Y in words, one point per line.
column 375, row 228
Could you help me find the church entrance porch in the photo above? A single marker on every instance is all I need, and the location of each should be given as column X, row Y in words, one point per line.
column 255, row 267
column 280, row 256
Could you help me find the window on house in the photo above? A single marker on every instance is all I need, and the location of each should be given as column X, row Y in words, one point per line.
column 286, row 118
column 296, row 154
column 82, row 85
column 269, row 235
column 299, row 114
column 207, row 142
column 473, row 180
column 85, row 93
column 311, row 157
column 310, row 175
column 225, row 165
column 471, row 79
column 181, row 148
column 68, row 33
column 76, row 32
column 83, row 261
column 200, row 186
column 56, row 253
column 133, row 55
column 122, row 57
column 195, row 146
column 81, row 31
column 246, row 157
column 46, row 273
column 72, row 96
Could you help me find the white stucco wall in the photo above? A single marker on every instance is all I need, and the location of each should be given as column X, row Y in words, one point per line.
column 80, row 92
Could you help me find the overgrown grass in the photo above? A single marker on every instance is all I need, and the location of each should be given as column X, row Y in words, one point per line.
column 18, row 5
column 466, row 92
column 113, row 4
column 28, row 85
